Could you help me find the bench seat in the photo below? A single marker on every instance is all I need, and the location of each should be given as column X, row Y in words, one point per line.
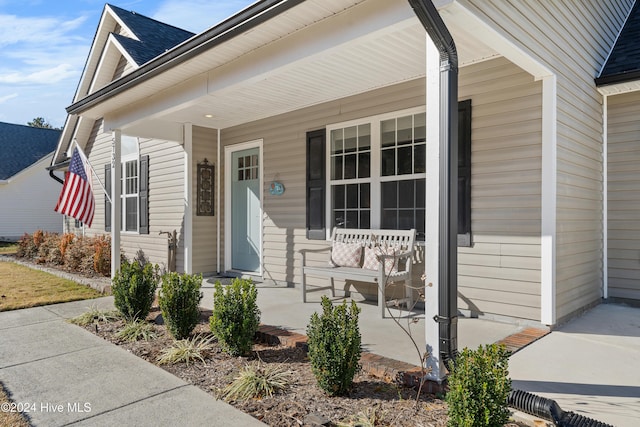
column 401, row 239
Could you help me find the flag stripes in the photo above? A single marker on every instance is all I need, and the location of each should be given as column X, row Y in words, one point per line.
column 76, row 199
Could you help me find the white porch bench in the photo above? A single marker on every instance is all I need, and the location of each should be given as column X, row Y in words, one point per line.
column 393, row 247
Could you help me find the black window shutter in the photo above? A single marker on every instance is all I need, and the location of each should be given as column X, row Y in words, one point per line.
column 143, row 196
column 316, row 182
column 464, row 173
column 107, row 204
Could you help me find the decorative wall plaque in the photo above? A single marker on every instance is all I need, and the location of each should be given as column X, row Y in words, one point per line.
column 205, row 188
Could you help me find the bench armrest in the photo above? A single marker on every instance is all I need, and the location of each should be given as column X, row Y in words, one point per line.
column 313, row 251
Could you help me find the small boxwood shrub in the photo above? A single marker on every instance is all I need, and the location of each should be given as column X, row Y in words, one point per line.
column 179, row 298
column 334, row 346
column 134, row 287
column 236, row 316
column 479, row 388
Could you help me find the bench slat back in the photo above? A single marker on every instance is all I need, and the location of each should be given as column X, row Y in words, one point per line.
column 401, row 238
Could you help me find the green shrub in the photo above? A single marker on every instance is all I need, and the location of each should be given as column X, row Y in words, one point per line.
column 334, row 346
column 134, row 287
column 235, row 316
column 178, row 299
column 479, row 387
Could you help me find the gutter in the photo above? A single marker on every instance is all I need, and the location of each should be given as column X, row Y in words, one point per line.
column 447, row 316
column 53, row 168
column 243, row 21
column 623, row 77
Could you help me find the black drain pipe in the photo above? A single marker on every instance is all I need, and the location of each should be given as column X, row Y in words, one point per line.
column 549, row 410
column 448, row 181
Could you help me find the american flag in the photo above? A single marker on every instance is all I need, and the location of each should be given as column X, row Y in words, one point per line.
column 76, row 199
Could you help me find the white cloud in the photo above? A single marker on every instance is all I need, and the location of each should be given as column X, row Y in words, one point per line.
column 40, row 50
column 182, row 13
column 42, row 76
column 15, row 30
column 5, row 98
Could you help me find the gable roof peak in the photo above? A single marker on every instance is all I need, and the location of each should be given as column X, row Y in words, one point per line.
column 152, row 37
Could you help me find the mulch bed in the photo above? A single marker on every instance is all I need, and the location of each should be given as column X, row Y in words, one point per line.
column 371, row 398
column 372, row 401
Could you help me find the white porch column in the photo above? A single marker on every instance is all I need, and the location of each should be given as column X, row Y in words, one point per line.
column 605, row 196
column 116, row 201
column 188, row 198
column 431, row 263
column 549, row 200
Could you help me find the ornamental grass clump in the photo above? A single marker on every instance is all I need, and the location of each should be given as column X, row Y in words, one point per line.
column 179, row 298
column 95, row 315
column 236, row 316
column 479, row 388
column 134, row 288
column 187, row 350
column 334, row 346
column 257, row 380
column 137, row 330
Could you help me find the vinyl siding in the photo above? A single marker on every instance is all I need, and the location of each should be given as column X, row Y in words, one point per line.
column 623, row 194
column 500, row 274
column 166, row 189
column 284, row 139
column 572, row 39
column 27, row 202
column 204, row 227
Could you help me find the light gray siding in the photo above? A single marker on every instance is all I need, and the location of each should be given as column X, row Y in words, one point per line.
column 166, row 196
column 205, row 143
column 623, row 194
column 27, row 201
column 572, row 39
column 500, row 274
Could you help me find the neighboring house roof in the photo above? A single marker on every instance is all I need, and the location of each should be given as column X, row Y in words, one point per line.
column 623, row 63
column 154, row 37
column 21, row 146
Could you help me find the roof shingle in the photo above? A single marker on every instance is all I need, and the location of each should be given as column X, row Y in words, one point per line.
column 623, row 63
column 21, row 146
column 154, row 36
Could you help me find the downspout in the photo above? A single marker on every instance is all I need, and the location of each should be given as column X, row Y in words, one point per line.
column 218, row 205
column 605, row 197
column 447, row 316
column 52, row 175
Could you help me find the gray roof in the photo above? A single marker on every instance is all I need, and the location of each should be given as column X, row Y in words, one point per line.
column 21, row 146
column 155, row 37
column 623, row 64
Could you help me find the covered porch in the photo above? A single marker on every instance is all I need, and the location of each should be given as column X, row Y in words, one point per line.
column 271, row 75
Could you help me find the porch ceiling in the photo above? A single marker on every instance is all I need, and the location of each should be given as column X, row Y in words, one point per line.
column 281, row 66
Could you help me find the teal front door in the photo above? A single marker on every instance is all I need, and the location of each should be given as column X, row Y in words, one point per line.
column 245, row 210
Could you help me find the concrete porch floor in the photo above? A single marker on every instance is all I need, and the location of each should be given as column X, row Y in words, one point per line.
column 283, row 307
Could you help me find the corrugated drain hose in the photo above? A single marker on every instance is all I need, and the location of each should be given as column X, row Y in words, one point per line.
column 549, row 410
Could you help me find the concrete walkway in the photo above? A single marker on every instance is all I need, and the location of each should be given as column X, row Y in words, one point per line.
column 590, row 366
column 68, row 376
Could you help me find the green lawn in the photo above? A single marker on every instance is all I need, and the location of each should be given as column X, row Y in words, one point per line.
column 22, row 287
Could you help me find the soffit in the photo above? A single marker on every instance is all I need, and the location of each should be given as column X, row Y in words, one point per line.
column 385, row 57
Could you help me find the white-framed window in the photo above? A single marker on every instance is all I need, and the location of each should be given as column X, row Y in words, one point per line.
column 129, row 183
column 376, row 170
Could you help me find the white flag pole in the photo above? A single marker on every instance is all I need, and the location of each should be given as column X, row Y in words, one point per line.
column 85, row 158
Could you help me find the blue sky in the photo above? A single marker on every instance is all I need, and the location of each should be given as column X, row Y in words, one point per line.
column 44, row 45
